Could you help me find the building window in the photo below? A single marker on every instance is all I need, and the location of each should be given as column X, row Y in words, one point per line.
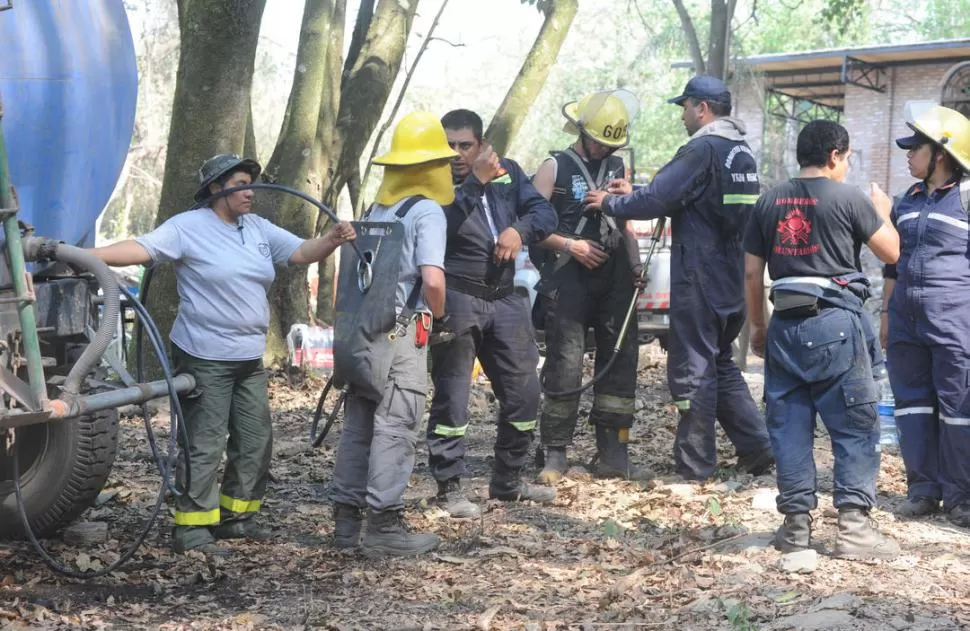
column 956, row 89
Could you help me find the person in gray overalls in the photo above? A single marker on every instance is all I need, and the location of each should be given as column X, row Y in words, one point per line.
column 375, row 456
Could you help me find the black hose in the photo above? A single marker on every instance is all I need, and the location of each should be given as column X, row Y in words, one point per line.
column 155, row 338
column 630, row 312
column 285, row 189
column 179, row 431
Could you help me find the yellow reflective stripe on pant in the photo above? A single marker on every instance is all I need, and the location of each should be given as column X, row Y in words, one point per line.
column 446, row 430
column 683, row 405
column 523, row 426
column 740, row 198
column 200, row 518
column 239, row 506
column 614, row 404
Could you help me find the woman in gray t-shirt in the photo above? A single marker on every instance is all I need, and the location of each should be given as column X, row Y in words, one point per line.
column 224, row 260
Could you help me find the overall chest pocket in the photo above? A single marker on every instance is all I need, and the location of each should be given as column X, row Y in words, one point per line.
column 825, row 344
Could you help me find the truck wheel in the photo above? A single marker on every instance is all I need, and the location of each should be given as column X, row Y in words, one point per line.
column 63, row 466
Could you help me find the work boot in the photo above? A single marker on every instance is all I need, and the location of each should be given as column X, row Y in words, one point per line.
column 198, row 538
column 795, row 533
column 387, row 535
column 555, row 466
column 859, row 538
column 452, row 500
column 959, row 515
column 613, row 458
column 241, row 529
column 519, row 491
column 918, row 507
column 347, row 522
column 756, row 463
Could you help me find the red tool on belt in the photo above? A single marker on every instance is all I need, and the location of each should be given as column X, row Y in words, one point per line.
column 422, row 328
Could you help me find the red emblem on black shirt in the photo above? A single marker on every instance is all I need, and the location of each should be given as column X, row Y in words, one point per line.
column 795, row 228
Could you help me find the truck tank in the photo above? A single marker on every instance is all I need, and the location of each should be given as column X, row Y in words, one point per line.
column 68, row 83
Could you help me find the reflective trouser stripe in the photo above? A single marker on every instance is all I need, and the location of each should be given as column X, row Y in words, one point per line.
column 201, row 518
column 955, row 420
column 523, row 426
column 239, row 506
column 683, row 405
column 445, row 430
column 560, row 408
column 614, row 404
column 909, row 411
column 741, row 198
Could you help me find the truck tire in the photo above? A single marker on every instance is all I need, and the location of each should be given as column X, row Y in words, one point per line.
column 63, row 466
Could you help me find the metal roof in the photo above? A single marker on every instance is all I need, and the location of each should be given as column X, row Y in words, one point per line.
column 820, row 76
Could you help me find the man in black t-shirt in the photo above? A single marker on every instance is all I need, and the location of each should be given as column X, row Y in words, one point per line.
column 820, row 349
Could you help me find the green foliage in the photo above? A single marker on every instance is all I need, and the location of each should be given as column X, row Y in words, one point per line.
column 611, row 529
column 738, row 615
column 714, row 506
column 841, row 14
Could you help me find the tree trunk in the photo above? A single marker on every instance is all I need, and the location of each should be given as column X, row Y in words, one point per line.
column 693, row 43
column 290, row 166
column 362, row 100
column 532, row 76
column 211, row 106
column 719, row 42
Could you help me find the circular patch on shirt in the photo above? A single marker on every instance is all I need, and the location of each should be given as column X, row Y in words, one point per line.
column 264, row 249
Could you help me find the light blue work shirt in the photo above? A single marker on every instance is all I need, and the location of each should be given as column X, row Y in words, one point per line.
column 223, row 271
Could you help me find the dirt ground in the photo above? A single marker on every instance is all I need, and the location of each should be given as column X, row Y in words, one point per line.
column 606, row 555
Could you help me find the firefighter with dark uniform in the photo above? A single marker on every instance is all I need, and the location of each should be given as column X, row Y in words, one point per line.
column 496, row 210
column 589, row 269
column 820, row 349
column 926, row 305
column 707, row 190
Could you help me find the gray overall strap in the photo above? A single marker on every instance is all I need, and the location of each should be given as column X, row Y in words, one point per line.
column 602, row 178
column 965, row 193
column 407, row 312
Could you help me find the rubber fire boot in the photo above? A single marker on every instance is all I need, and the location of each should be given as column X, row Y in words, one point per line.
column 347, row 521
column 241, row 529
column 959, row 515
column 795, row 533
column 386, row 535
column 918, row 507
column 859, row 538
column 555, row 467
column 613, row 458
column 452, row 500
column 507, row 486
column 757, row 463
column 198, row 538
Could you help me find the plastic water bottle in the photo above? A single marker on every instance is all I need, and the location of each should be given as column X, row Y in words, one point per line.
column 888, row 438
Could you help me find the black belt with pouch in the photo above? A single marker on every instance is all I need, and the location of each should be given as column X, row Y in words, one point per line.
column 792, row 305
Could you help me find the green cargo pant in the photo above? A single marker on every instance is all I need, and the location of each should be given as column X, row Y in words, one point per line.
column 230, row 398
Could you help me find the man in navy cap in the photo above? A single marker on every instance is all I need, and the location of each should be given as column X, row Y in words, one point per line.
column 708, row 191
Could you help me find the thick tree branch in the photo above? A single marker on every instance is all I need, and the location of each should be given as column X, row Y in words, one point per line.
column 693, row 44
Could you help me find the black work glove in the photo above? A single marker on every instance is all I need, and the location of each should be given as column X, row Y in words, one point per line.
column 441, row 333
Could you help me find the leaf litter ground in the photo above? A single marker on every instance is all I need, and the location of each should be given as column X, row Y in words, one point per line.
column 606, row 555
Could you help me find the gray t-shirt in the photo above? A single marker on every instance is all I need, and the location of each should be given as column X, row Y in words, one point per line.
column 223, row 273
column 425, row 233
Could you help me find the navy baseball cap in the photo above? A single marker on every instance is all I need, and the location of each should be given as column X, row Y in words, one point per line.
column 911, row 142
column 704, row 88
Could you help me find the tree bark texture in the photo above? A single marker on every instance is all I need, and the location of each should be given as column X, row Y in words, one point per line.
column 365, row 92
column 290, row 166
column 532, row 76
column 217, row 53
